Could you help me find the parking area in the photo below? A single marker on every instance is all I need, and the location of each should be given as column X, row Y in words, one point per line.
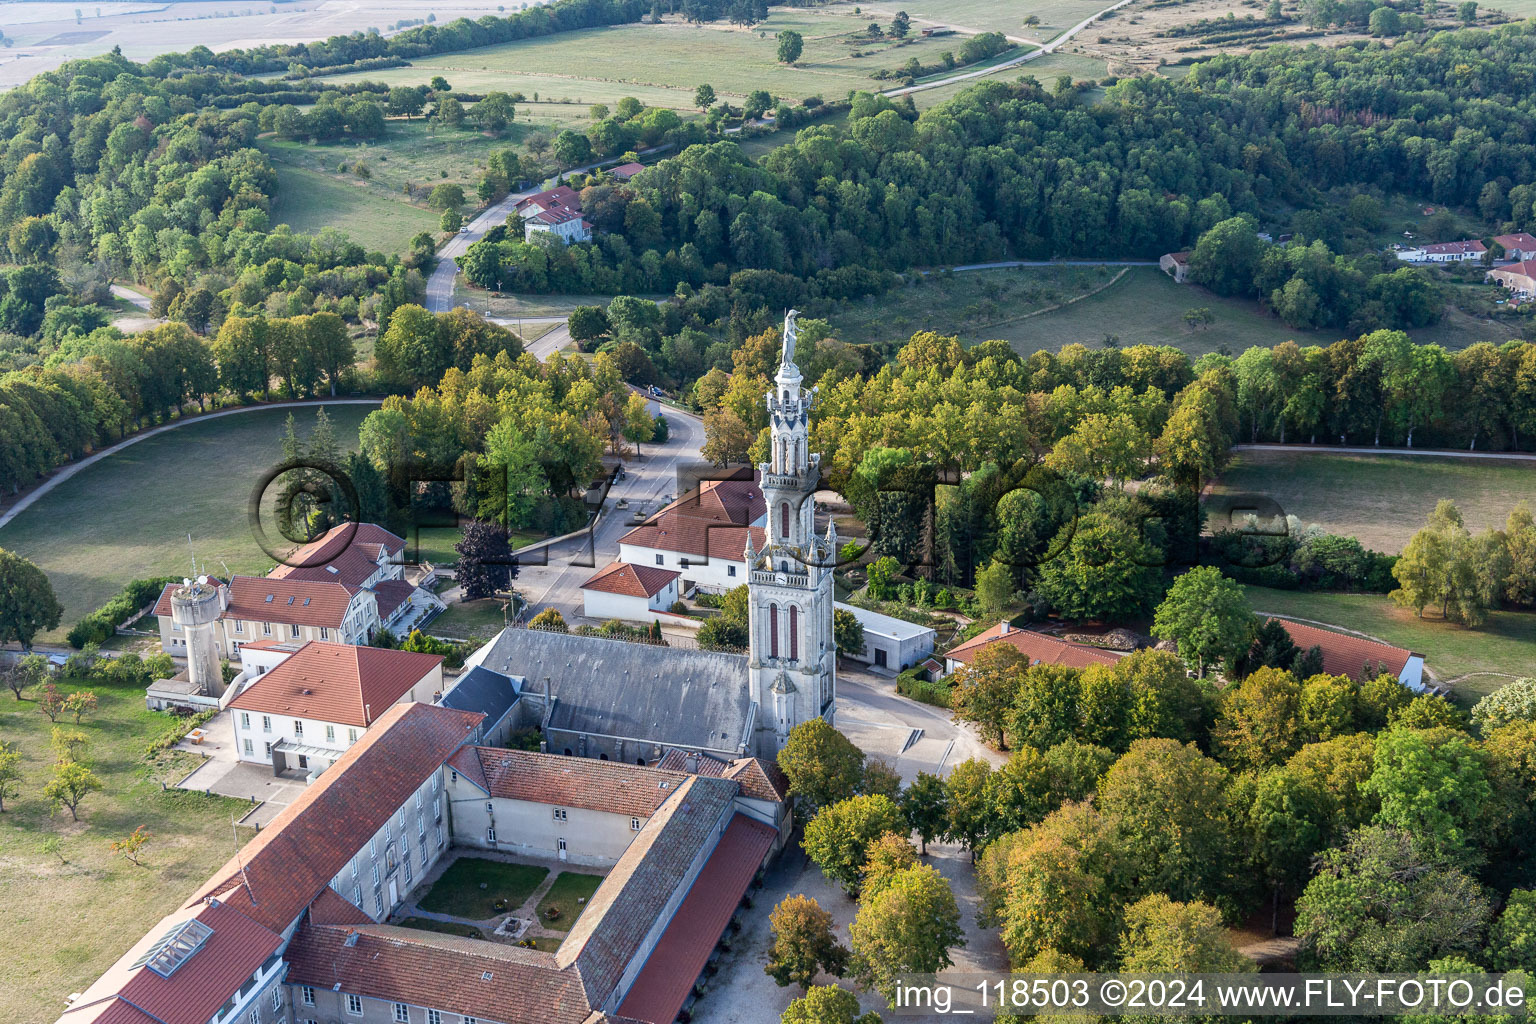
column 223, row 774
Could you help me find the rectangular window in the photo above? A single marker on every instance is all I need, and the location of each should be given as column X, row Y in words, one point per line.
column 400, row 818
column 378, row 903
column 354, row 1005
column 266, row 723
column 245, row 719
column 239, row 625
column 373, row 847
column 266, row 630
column 293, row 631
column 307, row 994
column 490, row 836
column 559, row 813
column 434, row 1017
column 325, row 633
column 357, row 896
column 375, row 873
column 255, row 1017
column 249, row 747
column 661, row 559
column 488, row 808
column 421, row 826
column 351, row 735
column 434, row 786
column 405, row 858
column 402, row 1013
column 730, row 570
column 634, row 824
column 298, row 727
column 330, row 734
column 423, row 854
column 277, row 999
column 439, row 837
column 269, row 750
column 418, row 799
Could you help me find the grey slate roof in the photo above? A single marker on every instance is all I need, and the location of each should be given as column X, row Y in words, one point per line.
column 670, row 696
column 490, row 693
column 627, row 905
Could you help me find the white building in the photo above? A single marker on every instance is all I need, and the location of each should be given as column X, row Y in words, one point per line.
column 702, row 535
column 1445, row 252
column 634, row 593
column 554, row 212
column 889, row 642
column 307, row 710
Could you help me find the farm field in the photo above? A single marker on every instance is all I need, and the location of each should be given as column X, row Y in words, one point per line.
column 308, row 200
column 128, row 516
column 991, row 15
column 1380, row 499
column 71, row 912
column 602, row 65
column 1479, row 661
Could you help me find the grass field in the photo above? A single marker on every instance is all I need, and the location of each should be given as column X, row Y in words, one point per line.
column 1005, row 16
column 69, row 914
column 974, row 306
column 1380, row 499
column 464, row 619
column 128, row 516
column 1482, row 660
column 471, row 886
column 1145, row 307
column 308, row 200
column 602, row 65
column 569, row 886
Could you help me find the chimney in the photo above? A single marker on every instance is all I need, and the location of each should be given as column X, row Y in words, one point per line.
column 367, row 714
column 1004, row 627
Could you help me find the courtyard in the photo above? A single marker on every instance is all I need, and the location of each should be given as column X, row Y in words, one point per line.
column 481, row 894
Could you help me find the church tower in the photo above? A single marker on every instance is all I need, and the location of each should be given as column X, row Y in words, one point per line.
column 793, row 659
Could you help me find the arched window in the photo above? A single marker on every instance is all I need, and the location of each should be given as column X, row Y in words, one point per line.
column 794, row 633
column 602, row 757
column 773, row 630
column 784, row 521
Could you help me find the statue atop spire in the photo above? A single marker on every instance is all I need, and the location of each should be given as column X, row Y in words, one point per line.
column 791, row 337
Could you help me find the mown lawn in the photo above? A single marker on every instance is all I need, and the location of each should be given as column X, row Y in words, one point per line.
column 71, row 912
column 308, row 200
column 569, row 886
column 464, row 619
column 459, row 890
column 1491, row 655
column 128, row 516
column 1380, row 499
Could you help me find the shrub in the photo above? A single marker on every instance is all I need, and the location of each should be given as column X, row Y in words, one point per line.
column 99, row 625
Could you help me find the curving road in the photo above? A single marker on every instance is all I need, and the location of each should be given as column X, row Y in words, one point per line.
column 74, row 467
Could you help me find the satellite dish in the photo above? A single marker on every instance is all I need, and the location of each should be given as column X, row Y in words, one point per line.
column 202, row 581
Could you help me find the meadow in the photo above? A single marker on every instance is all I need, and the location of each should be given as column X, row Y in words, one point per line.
column 129, row 515
column 1475, row 661
column 74, row 909
column 308, row 200
column 992, row 15
column 1380, row 499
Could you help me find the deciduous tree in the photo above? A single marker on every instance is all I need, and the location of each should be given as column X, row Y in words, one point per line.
column 908, row 927
column 803, row 944
column 1208, row 616
column 71, row 783
column 925, row 804
column 821, row 764
column 27, row 602
column 10, row 770
column 839, row 837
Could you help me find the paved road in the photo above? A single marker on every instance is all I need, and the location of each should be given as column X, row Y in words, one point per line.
column 1049, row 47
column 74, row 467
column 650, row 482
column 1437, row 453
column 137, row 298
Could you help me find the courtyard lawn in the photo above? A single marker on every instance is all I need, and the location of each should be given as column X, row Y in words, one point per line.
column 73, row 910
column 128, row 516
column 569, row 886
column 470, row 887
column 464, row 619
column 1478, row 661
column 1380, row 499
column 308, row 200
column 426, row 924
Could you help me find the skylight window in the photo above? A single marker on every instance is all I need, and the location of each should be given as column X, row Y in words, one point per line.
column 332, row 569
column 175, row 947
column 269, row 599
column 306, row 602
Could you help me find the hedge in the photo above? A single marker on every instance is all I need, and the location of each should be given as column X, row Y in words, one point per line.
column 99, row 625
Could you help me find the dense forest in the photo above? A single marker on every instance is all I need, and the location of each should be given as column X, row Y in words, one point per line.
column 1022, row 169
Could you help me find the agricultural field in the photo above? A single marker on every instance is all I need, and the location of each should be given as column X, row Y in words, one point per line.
column 128, row 516
column 73, row 909
column 1380, row 499
column 603, row 65
column 1475, row 661
column 991, row 15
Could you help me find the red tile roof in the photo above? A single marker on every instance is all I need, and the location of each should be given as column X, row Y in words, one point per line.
column 1441, row 248
column 290, row 861
column 711, row 521
column 1522, row 240
column 234, row 949
column 295, row 602
column 676, row 760
column 1526, row 268
column 759, row 779
column 391, row 594
column 567, row 781
column 1036, row 646
column 631, row 580
column 330, row 907
column 339, row 683
column 555, row 198
column 471, row 977
column 626, row 171
column 352, row 549
column 1345, row 655
column 669, row 973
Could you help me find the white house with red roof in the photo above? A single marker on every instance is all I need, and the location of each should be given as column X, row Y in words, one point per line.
column 1519, row 278
column 318, row 701
column 703, row 534
column 554, row 212
column 1519, row 246
column 635, row 593
column 343, row 586
column 1445, row 252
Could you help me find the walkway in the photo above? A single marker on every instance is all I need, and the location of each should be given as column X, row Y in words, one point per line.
column 70, row 470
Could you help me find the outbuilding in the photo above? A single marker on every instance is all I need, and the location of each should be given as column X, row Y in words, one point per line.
column 889, row 642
